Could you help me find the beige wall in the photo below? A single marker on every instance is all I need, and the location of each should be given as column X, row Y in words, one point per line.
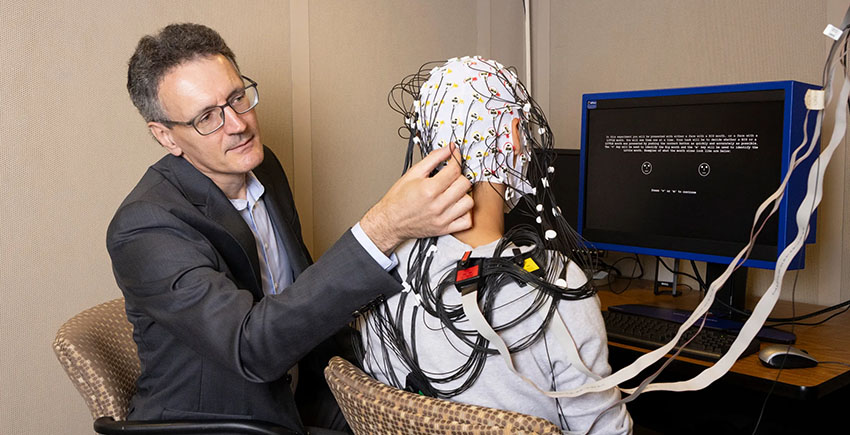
column 73, row 145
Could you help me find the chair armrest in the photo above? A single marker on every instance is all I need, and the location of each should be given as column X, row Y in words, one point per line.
column 108, row 426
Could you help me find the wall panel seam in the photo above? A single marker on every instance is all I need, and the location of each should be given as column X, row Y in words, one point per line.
column 302, row 142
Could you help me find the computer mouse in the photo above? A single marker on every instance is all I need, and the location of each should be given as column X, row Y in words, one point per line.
column 786, row 357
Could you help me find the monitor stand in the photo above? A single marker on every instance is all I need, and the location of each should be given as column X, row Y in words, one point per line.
column 661, row 284
column 733, row 293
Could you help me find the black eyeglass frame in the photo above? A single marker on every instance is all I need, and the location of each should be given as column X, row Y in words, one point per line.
column 252, row 84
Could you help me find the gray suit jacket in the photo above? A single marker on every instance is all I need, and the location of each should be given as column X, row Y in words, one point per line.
column 211, row 344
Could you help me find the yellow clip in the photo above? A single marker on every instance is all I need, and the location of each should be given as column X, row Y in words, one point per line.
column 529, row 265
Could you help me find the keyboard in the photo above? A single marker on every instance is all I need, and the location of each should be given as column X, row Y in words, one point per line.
column 651, row 333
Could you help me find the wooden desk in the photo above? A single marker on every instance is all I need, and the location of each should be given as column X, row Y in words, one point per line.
column 827, row 342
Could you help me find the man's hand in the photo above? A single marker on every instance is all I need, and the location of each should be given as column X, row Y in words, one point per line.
column 418, row 206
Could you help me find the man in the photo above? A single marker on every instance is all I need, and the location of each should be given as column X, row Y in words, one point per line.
column 207, row 248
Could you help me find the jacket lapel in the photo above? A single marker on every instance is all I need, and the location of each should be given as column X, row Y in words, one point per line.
column 225, row 229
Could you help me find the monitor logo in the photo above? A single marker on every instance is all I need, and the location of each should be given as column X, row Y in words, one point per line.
column 591, row 104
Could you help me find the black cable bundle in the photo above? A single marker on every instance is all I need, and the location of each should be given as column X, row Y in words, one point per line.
column 552, row 243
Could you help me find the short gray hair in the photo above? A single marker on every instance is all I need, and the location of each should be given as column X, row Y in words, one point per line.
column 157, row 54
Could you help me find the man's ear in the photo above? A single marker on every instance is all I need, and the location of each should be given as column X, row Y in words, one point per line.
column 162, row 134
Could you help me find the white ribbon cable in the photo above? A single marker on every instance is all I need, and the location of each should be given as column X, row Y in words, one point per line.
column 568, row 343
column 765, row 305
column 575, row 278
column 477, row 320
column 814, row 194
column 762, row 310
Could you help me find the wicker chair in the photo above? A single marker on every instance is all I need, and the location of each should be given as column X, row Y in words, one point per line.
column 97, row 351
column 372, row 408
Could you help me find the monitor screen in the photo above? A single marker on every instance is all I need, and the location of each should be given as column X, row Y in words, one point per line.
column 680, row 172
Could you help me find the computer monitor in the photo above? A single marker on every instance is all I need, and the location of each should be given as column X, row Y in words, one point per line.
column 564, row 184
column 680, row 173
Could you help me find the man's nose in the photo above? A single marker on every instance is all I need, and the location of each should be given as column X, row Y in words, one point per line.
column 233, row 122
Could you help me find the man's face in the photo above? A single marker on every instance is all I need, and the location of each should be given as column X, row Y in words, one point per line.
column 186, row 91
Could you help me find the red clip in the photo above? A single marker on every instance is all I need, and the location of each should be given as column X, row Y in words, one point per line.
column 468, row 273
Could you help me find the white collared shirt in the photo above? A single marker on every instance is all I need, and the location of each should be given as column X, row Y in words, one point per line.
column 274, row 262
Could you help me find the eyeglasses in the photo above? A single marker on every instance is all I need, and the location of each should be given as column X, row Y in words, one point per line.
column 212, row 119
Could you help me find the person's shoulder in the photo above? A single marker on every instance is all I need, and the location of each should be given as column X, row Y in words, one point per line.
column 146, row 205
column 155, row 192
column 156, row 185
column 586, row 311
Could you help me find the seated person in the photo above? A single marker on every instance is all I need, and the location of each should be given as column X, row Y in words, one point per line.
column 424, row 339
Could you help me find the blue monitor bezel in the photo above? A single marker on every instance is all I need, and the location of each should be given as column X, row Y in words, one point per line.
column 794, row 113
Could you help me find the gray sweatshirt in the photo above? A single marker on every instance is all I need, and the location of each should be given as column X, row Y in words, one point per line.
column 440, row 351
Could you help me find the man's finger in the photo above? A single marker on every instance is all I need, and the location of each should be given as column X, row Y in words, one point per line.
column 457, row 208
column 455, row 159
column 451, row 171
column 430, row 162
column 459, row 187
column 464, row 221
